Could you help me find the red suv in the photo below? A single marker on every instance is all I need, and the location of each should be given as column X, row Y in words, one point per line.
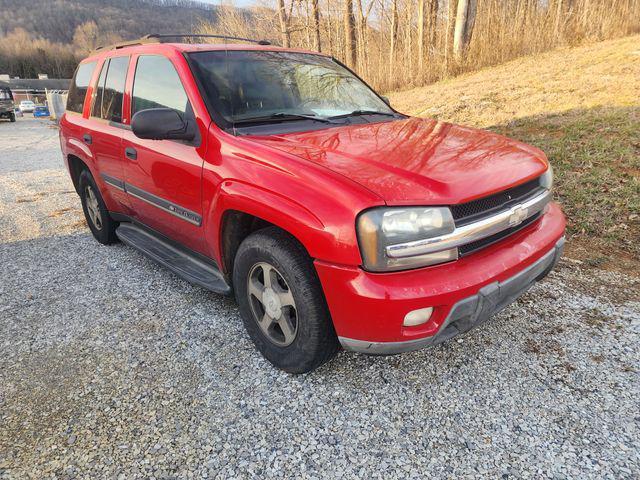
column 279, row 175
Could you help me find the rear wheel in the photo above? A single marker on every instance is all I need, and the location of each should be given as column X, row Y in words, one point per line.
column 100, row 223
column 282, row 303
column 12, row 116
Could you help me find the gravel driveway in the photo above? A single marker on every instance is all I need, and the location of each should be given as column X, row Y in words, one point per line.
column 112, row 367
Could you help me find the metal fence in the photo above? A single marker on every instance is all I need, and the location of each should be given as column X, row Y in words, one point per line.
column 57, row 102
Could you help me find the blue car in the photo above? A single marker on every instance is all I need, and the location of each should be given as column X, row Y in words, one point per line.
column 41, row 111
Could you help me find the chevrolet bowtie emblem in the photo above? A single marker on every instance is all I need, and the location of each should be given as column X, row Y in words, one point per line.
column 518, row 215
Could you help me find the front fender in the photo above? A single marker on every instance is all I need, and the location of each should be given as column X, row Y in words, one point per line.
column 318, row 239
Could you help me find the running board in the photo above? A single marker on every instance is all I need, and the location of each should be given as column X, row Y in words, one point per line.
column 183, row 263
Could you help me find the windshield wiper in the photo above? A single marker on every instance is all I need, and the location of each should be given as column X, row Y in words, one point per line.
column 282, row 116
column 357, row 113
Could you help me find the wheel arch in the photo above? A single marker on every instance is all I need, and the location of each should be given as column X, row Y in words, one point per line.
column 240, row 209
column 76, row 165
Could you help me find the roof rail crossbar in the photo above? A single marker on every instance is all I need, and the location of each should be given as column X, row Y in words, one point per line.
column 163, row 38
column 126, row 43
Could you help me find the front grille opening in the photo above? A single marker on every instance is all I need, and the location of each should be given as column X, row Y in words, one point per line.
column 469, row 212
column 485, row 242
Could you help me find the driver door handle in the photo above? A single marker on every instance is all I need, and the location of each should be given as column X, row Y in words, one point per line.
column 131, row 153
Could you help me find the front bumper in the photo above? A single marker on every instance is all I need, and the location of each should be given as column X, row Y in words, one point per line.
column 368, row 308
column 471, row 311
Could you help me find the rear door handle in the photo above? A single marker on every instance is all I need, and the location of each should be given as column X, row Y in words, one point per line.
column 131, row 153
column 87, row 138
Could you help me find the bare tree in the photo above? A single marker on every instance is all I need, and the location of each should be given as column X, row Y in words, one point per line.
column 362, row 30
column 449, row 30
column 350, row 33
column 315, row 16
column 284, row 24
column 465, row 20
column 421, row 39
column 407, row 24
column 393, row 37
column 432, row 23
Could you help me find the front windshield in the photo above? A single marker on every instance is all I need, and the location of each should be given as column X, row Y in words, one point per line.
column 245, row 85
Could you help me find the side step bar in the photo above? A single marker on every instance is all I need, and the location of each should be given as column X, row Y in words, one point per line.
column 181, row 262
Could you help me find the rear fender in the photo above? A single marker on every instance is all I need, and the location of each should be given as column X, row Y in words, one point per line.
column 76, row 148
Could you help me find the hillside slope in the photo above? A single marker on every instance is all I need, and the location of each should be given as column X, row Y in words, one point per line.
column 582, row 107
column 57, row 20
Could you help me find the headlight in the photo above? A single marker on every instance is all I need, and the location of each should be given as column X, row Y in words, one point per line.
column 546, row 180
column 381, row 227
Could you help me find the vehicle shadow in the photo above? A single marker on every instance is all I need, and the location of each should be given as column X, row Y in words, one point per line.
column 595, row 153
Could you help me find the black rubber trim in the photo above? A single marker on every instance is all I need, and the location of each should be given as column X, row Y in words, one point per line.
column 163, row 204
column 113, row 181
column 159, row 202
column 123, row 126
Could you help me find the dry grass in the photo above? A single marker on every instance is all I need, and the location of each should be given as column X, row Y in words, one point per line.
column 582, row 107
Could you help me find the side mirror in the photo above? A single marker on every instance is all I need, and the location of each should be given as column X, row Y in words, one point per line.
column 386, row 100
column 162, row 124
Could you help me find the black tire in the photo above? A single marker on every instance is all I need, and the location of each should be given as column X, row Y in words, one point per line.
column 12, row 117
column 315, row 340
column 104, row 230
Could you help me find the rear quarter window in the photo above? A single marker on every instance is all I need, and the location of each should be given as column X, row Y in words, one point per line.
column 109, row 92
column 79, row 86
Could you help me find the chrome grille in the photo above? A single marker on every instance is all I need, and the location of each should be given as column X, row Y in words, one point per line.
column 470, row 212
column 475, row 210
column 485, row 242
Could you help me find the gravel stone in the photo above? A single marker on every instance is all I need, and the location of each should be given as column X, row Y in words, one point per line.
column 112, row 367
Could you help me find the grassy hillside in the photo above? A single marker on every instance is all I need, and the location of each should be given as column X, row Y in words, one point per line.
column 582, row 107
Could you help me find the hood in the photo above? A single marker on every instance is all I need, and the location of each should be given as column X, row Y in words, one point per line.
column 417, row 161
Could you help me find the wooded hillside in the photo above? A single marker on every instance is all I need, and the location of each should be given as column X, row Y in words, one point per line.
column 397, row 44
column 393, row 44
column 44, row 36
column 57, row 20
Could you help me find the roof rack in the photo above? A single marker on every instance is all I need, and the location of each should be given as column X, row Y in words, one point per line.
column 165, row 38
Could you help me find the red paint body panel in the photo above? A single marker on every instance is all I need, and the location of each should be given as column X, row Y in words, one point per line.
column 368, row 306
column 418, row 161
column 312, row 203
column 313, row 185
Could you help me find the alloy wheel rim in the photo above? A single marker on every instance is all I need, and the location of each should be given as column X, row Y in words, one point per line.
column 93, row 209
column 272, row 304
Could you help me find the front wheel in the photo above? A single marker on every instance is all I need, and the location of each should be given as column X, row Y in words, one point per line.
column 281, row 301
column 12, row 117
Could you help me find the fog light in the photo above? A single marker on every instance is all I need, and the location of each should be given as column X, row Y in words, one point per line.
column 417, row 317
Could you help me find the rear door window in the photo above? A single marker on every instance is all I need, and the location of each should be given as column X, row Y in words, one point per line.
column 110, row 90
column 157, row 85
column 79, row 86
